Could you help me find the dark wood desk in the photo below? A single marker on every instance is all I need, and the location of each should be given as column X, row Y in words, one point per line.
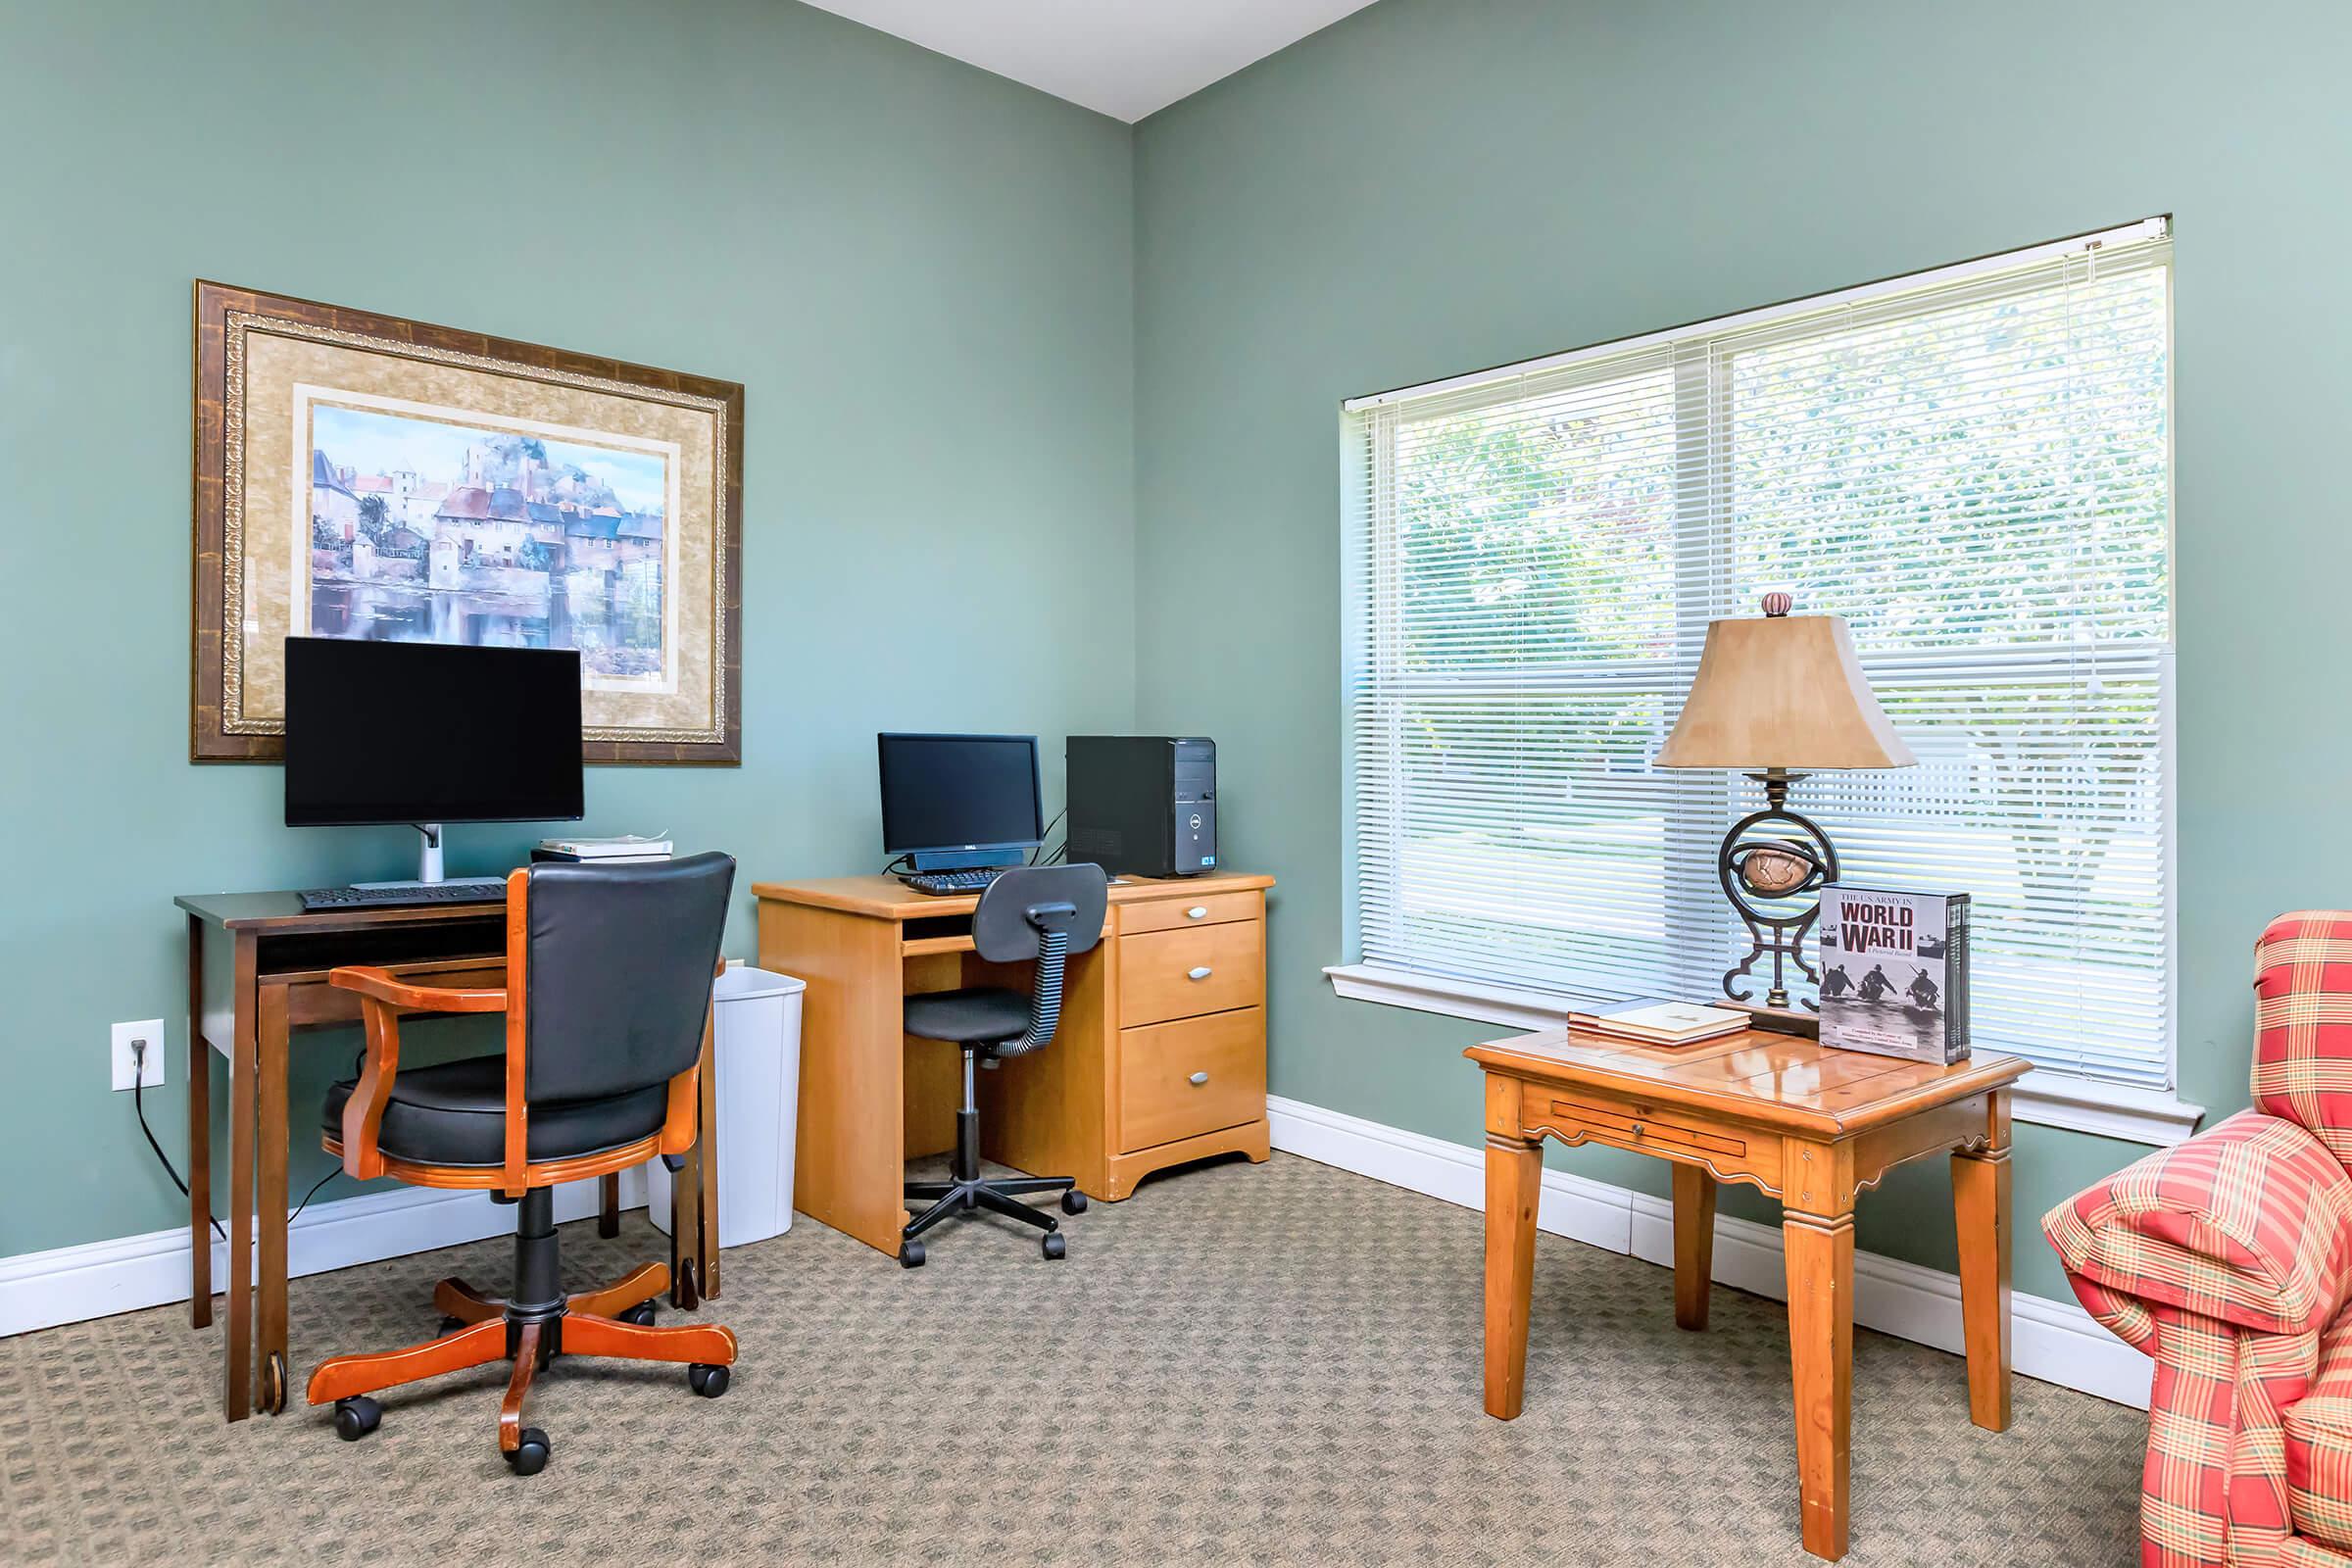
column 256, row 972
column 1810, row 1126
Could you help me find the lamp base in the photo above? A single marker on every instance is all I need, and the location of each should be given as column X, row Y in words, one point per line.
column 1759, row 874
column 1780, row 1020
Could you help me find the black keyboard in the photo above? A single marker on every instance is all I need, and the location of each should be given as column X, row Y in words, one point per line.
column 953, row 882
column 424, row 893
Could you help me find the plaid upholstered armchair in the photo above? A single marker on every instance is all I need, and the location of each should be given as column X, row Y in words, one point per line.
column 2229, row 1259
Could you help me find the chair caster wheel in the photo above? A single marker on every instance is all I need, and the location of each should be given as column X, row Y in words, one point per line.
column 529, row 1456
column 448, row 1326
column 1054, row 1246
column 356, row 1417
column 910, row 1255
column 1074, row 1201
column 272, row 1401
column 642, row 1314
column 706, row 1380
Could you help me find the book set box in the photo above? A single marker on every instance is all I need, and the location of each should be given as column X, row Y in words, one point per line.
column 1894, row 972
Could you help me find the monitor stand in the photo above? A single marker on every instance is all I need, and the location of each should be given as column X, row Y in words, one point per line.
column 428, row 868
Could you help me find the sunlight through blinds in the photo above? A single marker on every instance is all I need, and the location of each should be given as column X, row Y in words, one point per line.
column 1972, row 467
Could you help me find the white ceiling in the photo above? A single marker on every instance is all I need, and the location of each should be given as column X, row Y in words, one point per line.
column 1123, row 57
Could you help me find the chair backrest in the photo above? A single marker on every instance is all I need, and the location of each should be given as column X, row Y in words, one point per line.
column 617, row 973
column 1045, row 912
column 2303, row 1024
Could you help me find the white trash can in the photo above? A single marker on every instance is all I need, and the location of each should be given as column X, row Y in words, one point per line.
column 756, row 1051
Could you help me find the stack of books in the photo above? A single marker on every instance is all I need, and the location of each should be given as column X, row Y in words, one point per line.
column 622, row 851
column 1659, row 1023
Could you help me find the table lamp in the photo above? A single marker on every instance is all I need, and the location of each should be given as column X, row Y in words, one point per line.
column 1779, row 698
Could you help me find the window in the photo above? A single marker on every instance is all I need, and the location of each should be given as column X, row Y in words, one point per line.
column 1972, row 467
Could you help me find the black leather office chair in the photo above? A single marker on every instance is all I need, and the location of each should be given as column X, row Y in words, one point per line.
column 1049, row 914
column 608, row 1005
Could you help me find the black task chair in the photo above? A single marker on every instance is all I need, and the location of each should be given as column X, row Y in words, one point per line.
column 608, row 1005
column 1050, row 913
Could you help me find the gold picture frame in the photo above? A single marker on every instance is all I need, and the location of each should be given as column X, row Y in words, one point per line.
column 364, row 475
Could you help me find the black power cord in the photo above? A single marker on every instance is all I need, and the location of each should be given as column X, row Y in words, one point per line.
column 332, row 1171
column 1046, row 834
column 138, row 1104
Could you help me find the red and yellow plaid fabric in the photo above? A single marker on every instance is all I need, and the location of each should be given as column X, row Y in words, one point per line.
column 2303, row 1024
column 2249, row 1224
column 2318, row 1446
column 2229, row 1259
column 2298, row 1552
column 2214, row 1491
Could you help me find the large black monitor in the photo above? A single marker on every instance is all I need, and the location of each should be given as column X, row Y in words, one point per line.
column 429, row 733
column 956, row 800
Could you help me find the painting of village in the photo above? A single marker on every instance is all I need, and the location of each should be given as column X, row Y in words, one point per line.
column 425, row 530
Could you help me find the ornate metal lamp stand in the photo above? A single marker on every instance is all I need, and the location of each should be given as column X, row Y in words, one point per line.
column 1774, row 855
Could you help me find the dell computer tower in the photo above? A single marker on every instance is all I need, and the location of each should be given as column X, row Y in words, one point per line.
column 1144, row 805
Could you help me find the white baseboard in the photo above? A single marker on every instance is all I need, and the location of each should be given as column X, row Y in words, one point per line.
column 2056, row 1341
column 98, row 1278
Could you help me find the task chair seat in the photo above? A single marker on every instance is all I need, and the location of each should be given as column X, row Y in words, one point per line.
column 1044, row 914
column 455, row 1113
column 981, row 1016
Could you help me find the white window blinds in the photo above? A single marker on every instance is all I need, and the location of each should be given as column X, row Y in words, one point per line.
column 1972, row 467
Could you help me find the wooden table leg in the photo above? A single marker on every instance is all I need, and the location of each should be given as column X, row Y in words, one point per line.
column 272, row 1140
column 241, row 1075
column 1514, row 1183
column 685, row 1210
column 1981, row 1207
column 1693, row 1244
column 200, row 1140
column 1821, row 1351
column 705, row 1161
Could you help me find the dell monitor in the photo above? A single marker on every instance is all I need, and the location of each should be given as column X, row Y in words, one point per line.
column 951, row 802
column 427, row 733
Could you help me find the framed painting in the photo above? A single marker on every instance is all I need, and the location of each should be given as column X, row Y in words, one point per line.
column 360, row 475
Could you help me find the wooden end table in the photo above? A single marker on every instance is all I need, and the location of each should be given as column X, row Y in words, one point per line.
column 1812, row 1127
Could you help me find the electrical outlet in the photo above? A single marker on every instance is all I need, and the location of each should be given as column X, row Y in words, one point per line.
column 148, row 1070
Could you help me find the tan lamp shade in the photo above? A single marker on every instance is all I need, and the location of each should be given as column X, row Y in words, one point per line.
column 1782, row 692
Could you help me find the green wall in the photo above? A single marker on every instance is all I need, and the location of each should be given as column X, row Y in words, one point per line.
column 1434, row 185
column 921, row 274
column 995, row 341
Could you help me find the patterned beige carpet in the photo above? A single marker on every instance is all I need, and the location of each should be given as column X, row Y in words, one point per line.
column 1272, row 1365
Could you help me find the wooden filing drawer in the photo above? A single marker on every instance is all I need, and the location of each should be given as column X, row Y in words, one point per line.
column 1193, row 1076
column 1181, row 974
column 1174, row 914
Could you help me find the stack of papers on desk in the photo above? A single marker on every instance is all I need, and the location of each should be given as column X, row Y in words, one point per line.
column 620, row 851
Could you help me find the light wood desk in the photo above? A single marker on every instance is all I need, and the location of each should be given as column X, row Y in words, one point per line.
column 256, row 972
column 1161, row 1058
column 1810, row 1126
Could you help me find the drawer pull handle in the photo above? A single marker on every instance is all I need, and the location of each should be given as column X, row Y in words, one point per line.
column 1639, row 1129
column 1198, row 912
column 1202, row 974
column 1199, row 1079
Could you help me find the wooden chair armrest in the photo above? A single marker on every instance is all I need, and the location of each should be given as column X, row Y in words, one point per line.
column 381, row 984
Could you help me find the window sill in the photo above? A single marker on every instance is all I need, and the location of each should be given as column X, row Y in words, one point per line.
column 2043, row 1097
